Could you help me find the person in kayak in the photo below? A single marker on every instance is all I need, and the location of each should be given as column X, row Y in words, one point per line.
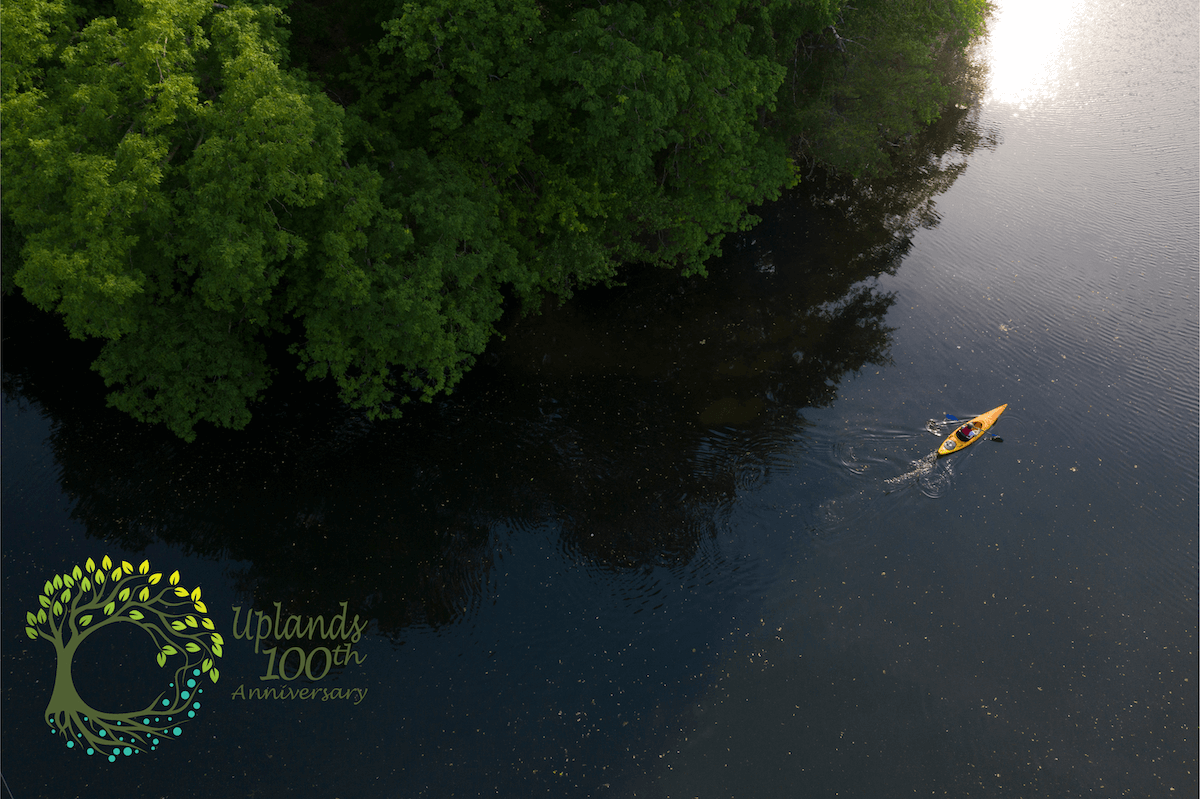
column 967, row 432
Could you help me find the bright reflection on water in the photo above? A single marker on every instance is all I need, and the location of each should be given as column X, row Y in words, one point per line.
column 1026, row 49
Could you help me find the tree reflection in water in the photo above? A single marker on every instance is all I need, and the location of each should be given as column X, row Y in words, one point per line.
column 628, row 420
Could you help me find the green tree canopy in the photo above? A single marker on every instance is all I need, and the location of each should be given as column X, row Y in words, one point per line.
column 178, row 189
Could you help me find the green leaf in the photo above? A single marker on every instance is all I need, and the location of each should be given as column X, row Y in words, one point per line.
column 161, row 657
column 109, row 608
column 84, row 621
column 136, row 615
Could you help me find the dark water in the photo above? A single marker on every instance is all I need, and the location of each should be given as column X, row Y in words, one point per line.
column 682, row 539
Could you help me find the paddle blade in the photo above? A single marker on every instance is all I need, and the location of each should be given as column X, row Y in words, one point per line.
column 951, row 417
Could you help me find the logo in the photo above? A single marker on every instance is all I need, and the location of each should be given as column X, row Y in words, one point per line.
column 80, row 603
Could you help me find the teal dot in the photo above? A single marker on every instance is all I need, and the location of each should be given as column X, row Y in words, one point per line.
column 195, row 672
column 166, row 702
column 196, row 705
column 191, row 714
column 146, row 721
column 191, row 683
column 91, row 751
column 70, row 744
column 127, row 751
column 103, row 733
column 176, row 731
column 112, row 758
column 184, row 695
column 155, row 741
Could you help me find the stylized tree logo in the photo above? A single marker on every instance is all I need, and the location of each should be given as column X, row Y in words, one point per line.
column 76, row 605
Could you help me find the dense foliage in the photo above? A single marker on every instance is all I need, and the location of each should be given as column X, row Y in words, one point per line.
column 189, row 181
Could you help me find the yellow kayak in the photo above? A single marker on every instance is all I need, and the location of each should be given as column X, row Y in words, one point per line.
column 967, row 434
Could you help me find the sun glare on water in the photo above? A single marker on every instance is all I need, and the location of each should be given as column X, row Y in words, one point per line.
column 1026, row 49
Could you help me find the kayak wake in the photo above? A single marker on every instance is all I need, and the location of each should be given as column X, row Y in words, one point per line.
column 921, row 468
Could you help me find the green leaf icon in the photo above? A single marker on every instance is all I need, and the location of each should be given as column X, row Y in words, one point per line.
column 77, row 572
column 162, row 658
column 217, row 650
column 29, row 617
column 170, row 650
column 214, row 674
column 192, row 646
column 58, row 609
column 44, row 601
column 32, row 633
column 136, row 615
column 48, row 588
column 177, row 625
column 84, row 621
column 109, row 608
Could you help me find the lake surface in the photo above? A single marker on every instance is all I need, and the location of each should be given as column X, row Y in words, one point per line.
column 685, row 539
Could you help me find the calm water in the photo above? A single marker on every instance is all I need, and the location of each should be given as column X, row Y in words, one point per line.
column 683, row 539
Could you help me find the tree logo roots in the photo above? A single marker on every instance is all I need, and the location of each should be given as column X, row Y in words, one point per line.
column 77, row 604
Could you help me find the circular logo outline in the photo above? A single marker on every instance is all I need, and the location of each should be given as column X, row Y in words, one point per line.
column 76, row 604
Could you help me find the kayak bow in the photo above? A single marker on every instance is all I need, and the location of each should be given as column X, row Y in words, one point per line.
column 954, row 442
